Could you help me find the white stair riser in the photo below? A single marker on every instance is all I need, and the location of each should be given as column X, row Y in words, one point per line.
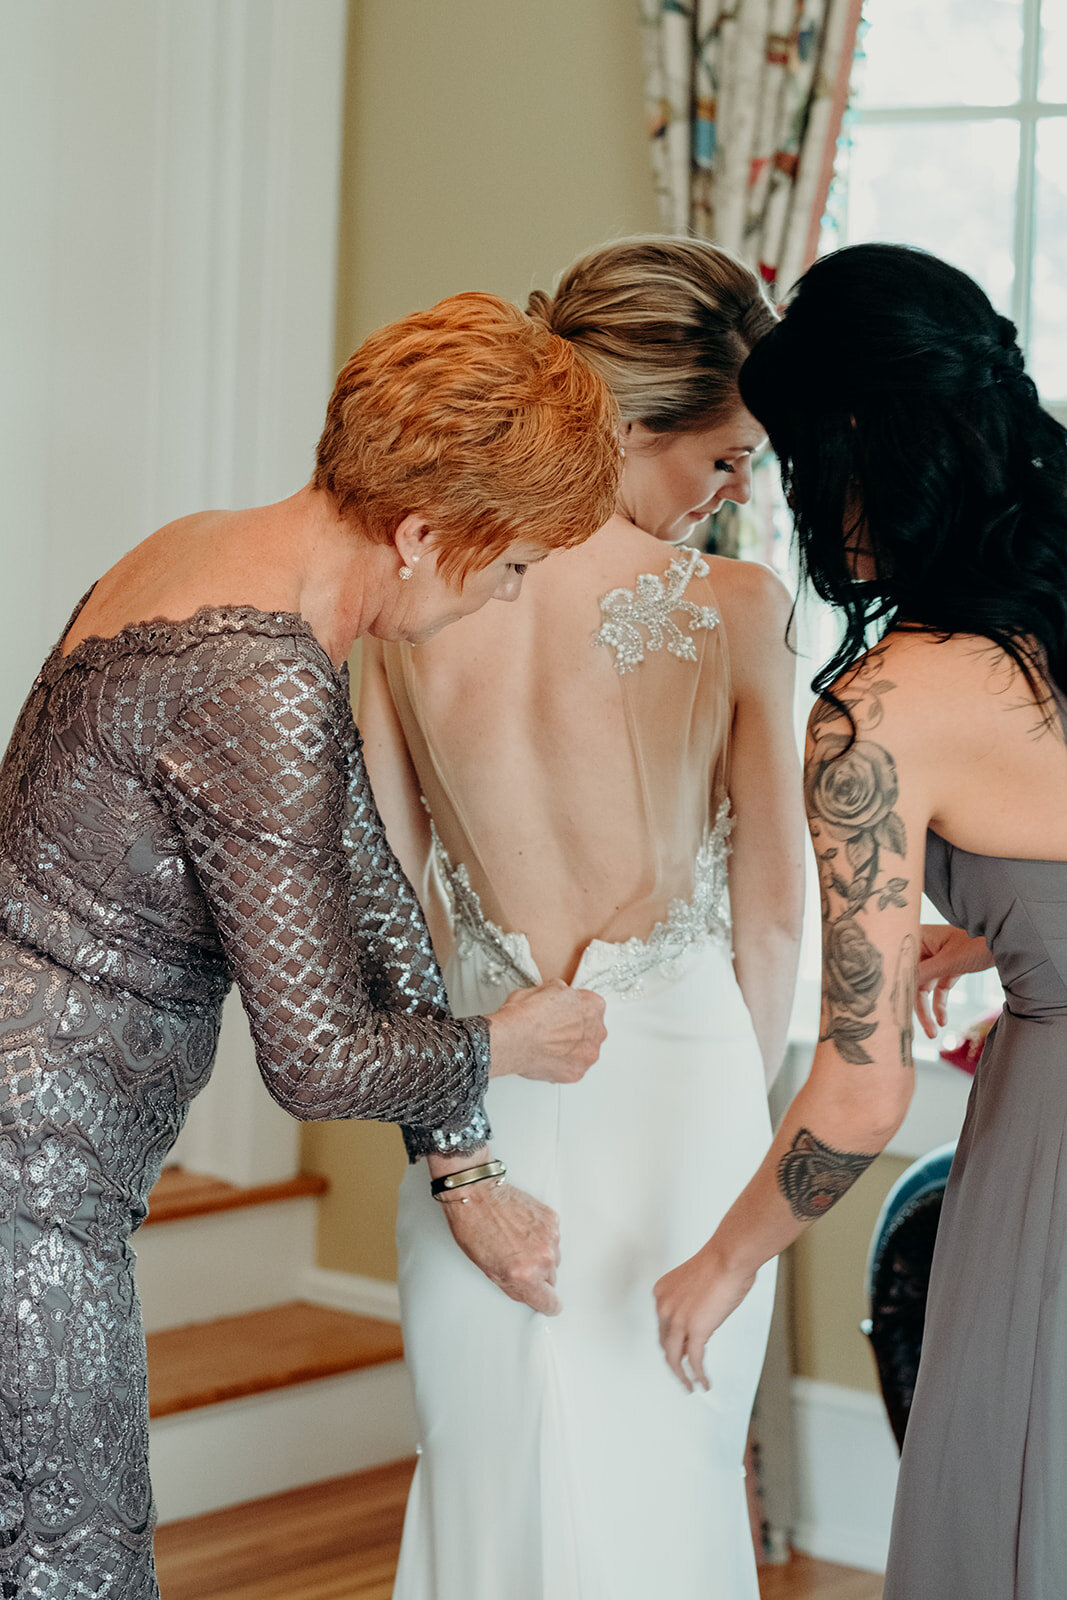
column 220, row 1265
column 241, row 1450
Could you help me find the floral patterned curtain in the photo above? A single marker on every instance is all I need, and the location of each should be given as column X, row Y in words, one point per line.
column 745, row 101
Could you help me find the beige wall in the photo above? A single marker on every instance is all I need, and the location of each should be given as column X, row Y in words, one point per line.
column 828, row 1284
column 487, row 142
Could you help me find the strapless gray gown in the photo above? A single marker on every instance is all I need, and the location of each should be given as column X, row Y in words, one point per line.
column 180, row 806
column 981, row 1511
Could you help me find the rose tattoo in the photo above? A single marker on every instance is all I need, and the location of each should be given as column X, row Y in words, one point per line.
column 851, row 791
column 853, row 968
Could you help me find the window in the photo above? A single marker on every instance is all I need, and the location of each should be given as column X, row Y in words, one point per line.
column 957, row 141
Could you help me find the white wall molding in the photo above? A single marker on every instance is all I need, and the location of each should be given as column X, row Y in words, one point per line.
column 846, row 1474
column 348, row 1291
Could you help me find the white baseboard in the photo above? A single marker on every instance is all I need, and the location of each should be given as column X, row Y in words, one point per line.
column 348, row 1291
column 846, row 1474
column 223, row 1455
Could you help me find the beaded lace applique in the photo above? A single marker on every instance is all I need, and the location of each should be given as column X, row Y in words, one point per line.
column 502, row 953
column 616, row 968
column 706, row 915
column 651, row 605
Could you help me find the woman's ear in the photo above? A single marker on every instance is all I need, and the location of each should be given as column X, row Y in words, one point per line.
column 414, row 538
column 636, row 436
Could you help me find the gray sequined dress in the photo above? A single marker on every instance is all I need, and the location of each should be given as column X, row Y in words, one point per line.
column 180, row 806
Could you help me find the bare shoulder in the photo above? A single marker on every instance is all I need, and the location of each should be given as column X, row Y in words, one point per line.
column 948, row 714
column 749, row 591
column 892, row 687
column 938, row 686
column 756, row 610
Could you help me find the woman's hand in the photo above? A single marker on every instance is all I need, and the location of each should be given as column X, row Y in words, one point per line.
column 945, row 954
column 692, row 1301
column 553, row 1033
column 513, row 1239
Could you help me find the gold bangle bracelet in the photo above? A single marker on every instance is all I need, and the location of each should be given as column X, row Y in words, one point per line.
column 460, row 1180
column 465, row 1194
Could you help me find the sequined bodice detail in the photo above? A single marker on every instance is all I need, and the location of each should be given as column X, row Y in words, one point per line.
column 643, row 618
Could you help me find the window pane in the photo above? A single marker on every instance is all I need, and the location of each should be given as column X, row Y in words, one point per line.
column 1053, row 81
column 947, row 186
column 1048, row 343
column 957, row 52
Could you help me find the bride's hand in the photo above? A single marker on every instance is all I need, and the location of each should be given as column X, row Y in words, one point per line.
column 945, row 954
column 692, row 1301
column 513, row 1239
column 553, row 1033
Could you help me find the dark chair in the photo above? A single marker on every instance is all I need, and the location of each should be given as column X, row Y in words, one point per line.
column 898, row 1277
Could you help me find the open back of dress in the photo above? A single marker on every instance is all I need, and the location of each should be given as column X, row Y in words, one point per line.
column 572, row 753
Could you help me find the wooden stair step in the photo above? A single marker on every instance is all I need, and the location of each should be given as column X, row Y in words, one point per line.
column 208, row 1362
column 180, row 1194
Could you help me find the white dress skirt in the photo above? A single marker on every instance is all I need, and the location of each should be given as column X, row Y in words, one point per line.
column 559, row 1458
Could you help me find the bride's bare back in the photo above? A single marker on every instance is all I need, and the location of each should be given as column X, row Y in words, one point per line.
column 572, row 749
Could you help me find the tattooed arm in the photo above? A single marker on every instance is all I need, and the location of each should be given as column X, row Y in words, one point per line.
column 868, row 809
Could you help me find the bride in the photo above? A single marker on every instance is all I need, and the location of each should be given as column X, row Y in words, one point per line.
column 603, row 790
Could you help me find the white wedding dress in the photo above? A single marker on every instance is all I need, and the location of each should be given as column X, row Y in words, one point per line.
column 559, row 1458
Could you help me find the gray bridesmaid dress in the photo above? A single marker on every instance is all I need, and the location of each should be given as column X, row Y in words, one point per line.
column 981, row 1511
column 180, row 806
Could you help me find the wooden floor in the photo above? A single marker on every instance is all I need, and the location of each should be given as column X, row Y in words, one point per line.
column 339, row 1541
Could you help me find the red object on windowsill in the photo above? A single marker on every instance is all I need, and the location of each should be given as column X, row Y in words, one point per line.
column 965, row 1054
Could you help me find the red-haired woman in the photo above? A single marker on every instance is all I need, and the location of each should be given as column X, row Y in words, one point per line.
column 184, row 804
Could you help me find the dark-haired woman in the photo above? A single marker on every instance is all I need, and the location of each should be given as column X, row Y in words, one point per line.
column 929, row 490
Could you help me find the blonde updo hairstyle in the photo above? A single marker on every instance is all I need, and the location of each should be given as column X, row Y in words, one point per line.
column 667, row 323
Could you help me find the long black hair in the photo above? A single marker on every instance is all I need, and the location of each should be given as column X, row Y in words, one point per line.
column 897, row 402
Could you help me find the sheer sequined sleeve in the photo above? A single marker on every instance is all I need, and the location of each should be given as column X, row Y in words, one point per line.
column 394, row 967
column 319, row 928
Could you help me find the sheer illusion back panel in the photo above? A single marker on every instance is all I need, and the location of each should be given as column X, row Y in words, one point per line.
column 572, row 749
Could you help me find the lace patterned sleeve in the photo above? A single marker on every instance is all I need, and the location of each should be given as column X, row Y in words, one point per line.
column 255, row 773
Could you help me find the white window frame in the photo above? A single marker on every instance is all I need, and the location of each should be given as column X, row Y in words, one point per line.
column 1027, row 112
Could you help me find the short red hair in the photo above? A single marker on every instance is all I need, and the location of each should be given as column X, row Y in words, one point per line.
column 478, row 418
